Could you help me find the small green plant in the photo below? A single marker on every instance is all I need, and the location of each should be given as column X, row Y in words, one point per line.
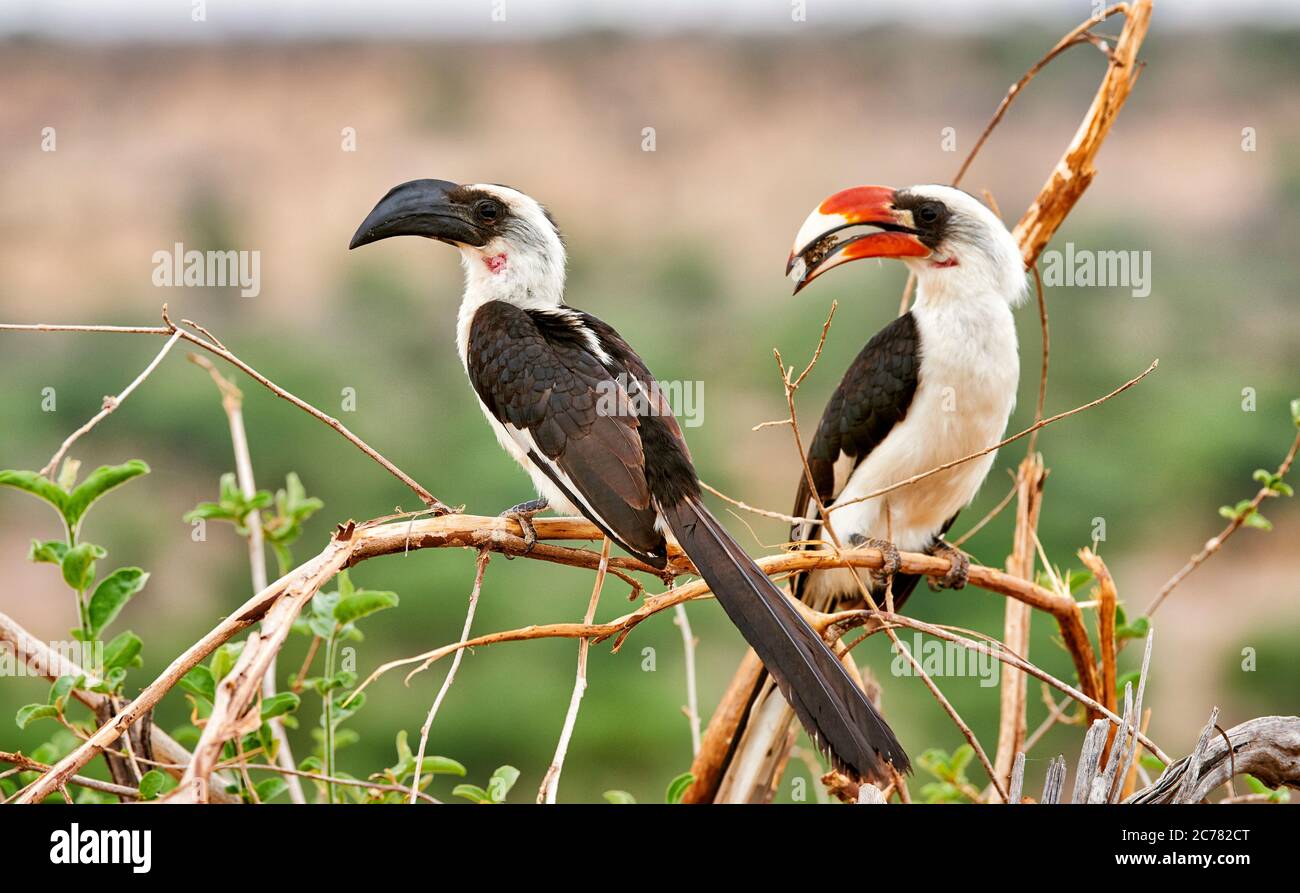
column 1072, row 579
column 498, row 787
column 333, row 619
column 677, row 788
column 1281, row 795
column 403, row 772
column 98, row 599
column 98, row 604
column 950, row 769
column 292, row 508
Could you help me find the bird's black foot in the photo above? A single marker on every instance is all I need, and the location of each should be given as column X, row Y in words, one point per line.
column 888, row 551
column 523, row 514
column 958, row 573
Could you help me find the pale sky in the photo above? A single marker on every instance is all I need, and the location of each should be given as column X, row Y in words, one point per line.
column 524, row 19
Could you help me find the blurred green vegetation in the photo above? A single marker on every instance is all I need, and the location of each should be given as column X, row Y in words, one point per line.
column 1155, row 463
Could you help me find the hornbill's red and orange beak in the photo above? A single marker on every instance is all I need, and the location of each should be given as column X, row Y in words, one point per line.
column 818, row 247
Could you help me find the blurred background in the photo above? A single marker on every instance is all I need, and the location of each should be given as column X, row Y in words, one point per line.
column 231, row 132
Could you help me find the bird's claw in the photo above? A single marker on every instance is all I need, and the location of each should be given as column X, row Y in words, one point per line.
column 958, row 573
column 522, row 514
column 892, row 561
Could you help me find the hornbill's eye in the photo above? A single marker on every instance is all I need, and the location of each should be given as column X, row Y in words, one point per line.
column 487, row 210
column 928, row 213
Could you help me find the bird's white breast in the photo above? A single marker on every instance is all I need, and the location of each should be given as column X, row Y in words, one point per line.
column 966, row 389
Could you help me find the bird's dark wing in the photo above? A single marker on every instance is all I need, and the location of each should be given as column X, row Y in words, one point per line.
column 871, row 399
column 539, row 374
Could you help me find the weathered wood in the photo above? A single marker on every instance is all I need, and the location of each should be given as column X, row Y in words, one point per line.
column 869, row 793
column 1055, row 781
column 1267, row 748
column 1101, row 785
column 1015, row 794
column 1130, row 752
column 1013, row 689
column 1089, row 760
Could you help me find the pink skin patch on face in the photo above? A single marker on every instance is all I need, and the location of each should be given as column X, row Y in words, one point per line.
column 950, row 262
column 496, row 263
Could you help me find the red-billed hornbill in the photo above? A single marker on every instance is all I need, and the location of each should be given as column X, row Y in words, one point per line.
column 936, row 384
column 544, row 373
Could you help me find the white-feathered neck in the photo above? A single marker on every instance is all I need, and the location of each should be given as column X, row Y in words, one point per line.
column 524, row 265
column 987, row 257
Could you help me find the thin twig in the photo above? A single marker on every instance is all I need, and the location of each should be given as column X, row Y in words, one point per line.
column 110, row 404
column 1047, row 350
column 171, row 330
column 847, row 619
column 1000, row 444
column 692, row 693
column 480, row 567
column 1216, row 543
column 232, row 402
column 993, row 513
column 345, row 782
column 27, row 764
column 1073, row 38
column 551, row 780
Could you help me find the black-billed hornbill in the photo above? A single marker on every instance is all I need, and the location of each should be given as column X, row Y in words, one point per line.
column 544, row 373
column 934, row 385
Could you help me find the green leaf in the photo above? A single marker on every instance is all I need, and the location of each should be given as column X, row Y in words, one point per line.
column 31, row 712
column 961, row 757
column 271, row 788
column 50, row 552
column 441, row 766
column 935, row 761
column 123, row 651
column 1258, row 521
column 223, row 659
column 37, row 485
column 1138, row 629
column 112, row 593
column 209, row 511
column 79, row 565
column 471, row 792
column 151, row 784
column 1130, row 678
column 280, row 704
column 345, row 585
column 942, row 792
column 362, row 603
column 619, row 797
column 501, row 782
column 112, row 682
column 199, row 681
column 677, row 787
column 299, row 505
column 96, row 484
column 61, row 687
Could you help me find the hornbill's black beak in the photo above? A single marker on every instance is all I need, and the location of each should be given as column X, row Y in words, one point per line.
column 420, row 208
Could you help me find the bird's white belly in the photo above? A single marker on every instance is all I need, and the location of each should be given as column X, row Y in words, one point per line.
column 966, row 390
column 928, row 437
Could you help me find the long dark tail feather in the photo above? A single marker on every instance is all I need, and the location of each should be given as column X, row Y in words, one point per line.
column 833, row 709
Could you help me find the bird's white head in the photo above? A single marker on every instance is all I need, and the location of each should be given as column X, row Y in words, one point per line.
column 957, row 247
column 509, row 244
